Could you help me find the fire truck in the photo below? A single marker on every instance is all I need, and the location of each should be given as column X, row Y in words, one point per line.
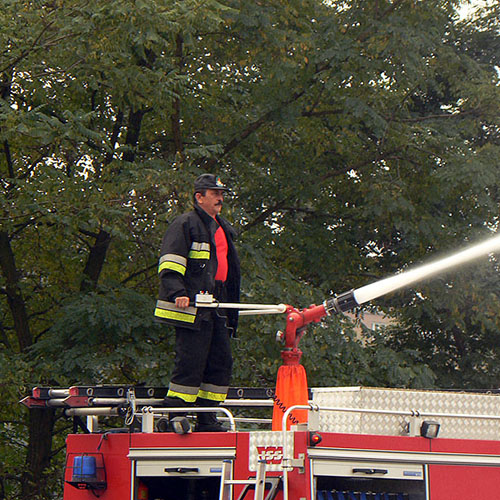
column 358, row 443
column 351, row 443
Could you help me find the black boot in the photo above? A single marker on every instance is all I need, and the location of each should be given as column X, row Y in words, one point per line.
column 175, row 422
column 207, row 421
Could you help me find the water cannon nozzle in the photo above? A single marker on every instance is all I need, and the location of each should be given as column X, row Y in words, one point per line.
column 343, row 302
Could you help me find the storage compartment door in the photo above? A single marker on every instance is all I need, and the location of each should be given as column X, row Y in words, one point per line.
column 368, row 480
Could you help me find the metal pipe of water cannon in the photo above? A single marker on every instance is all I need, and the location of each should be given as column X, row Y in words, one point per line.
column 297, row 320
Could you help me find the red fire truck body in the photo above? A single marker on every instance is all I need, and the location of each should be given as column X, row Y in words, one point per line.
column 168, row 466
column 358, row 444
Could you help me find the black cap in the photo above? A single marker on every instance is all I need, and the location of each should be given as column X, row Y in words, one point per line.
column 208, row 181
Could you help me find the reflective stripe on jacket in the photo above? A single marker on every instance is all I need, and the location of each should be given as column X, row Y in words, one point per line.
column 188, row 264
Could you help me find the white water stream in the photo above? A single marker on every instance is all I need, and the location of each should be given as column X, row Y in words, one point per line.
column 385, row 286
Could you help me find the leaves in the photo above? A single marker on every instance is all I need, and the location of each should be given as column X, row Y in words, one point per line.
column 104, row 334
column 357, row 138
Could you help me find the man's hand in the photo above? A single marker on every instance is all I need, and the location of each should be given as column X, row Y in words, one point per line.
column 182, row 302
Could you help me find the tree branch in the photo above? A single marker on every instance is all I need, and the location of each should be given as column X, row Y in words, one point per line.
column 281, row 205
column 397, row 3
column 26, row 51
column 8, row 157
column 95, row 261
column 392, row 8
column 137, row 273
column 252, row 127
column 175, row 119
column 4, row 338
column 325, row 112
column 5, row 92
column 439, row 116
column 114, row 137
column 263, row 215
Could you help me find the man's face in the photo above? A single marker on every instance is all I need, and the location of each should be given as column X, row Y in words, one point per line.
column 211, row 201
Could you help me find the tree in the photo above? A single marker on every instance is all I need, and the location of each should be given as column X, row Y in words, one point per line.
column 80, row 200
column 358, row 137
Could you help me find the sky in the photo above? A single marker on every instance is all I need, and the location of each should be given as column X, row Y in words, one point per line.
column 468, row 8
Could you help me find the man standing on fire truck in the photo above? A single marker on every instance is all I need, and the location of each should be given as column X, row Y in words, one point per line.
column 198, row 255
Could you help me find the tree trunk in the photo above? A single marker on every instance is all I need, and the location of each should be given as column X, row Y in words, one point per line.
column 15, row 298
column 41, row 421
column 133, row 130
column 41, row 426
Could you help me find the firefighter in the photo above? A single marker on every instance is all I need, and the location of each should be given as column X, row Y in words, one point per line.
column 198, row 255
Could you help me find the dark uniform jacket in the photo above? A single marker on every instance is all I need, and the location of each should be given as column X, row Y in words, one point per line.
column 188, row 264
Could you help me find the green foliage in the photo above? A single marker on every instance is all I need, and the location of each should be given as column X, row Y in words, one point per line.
column 456, row 333
column 106, row 336
column 358, row 138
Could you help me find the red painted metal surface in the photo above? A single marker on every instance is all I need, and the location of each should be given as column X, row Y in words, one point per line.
column 458, row 482
column 446, row 482
column 114, row 450
column 373, row 442
column 192, row 440
column 452, row 482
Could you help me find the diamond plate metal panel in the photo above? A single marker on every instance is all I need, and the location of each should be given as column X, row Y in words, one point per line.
column 268, row 446
column 430, row 402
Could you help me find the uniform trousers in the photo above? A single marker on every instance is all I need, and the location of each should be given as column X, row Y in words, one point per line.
column 203, row 360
